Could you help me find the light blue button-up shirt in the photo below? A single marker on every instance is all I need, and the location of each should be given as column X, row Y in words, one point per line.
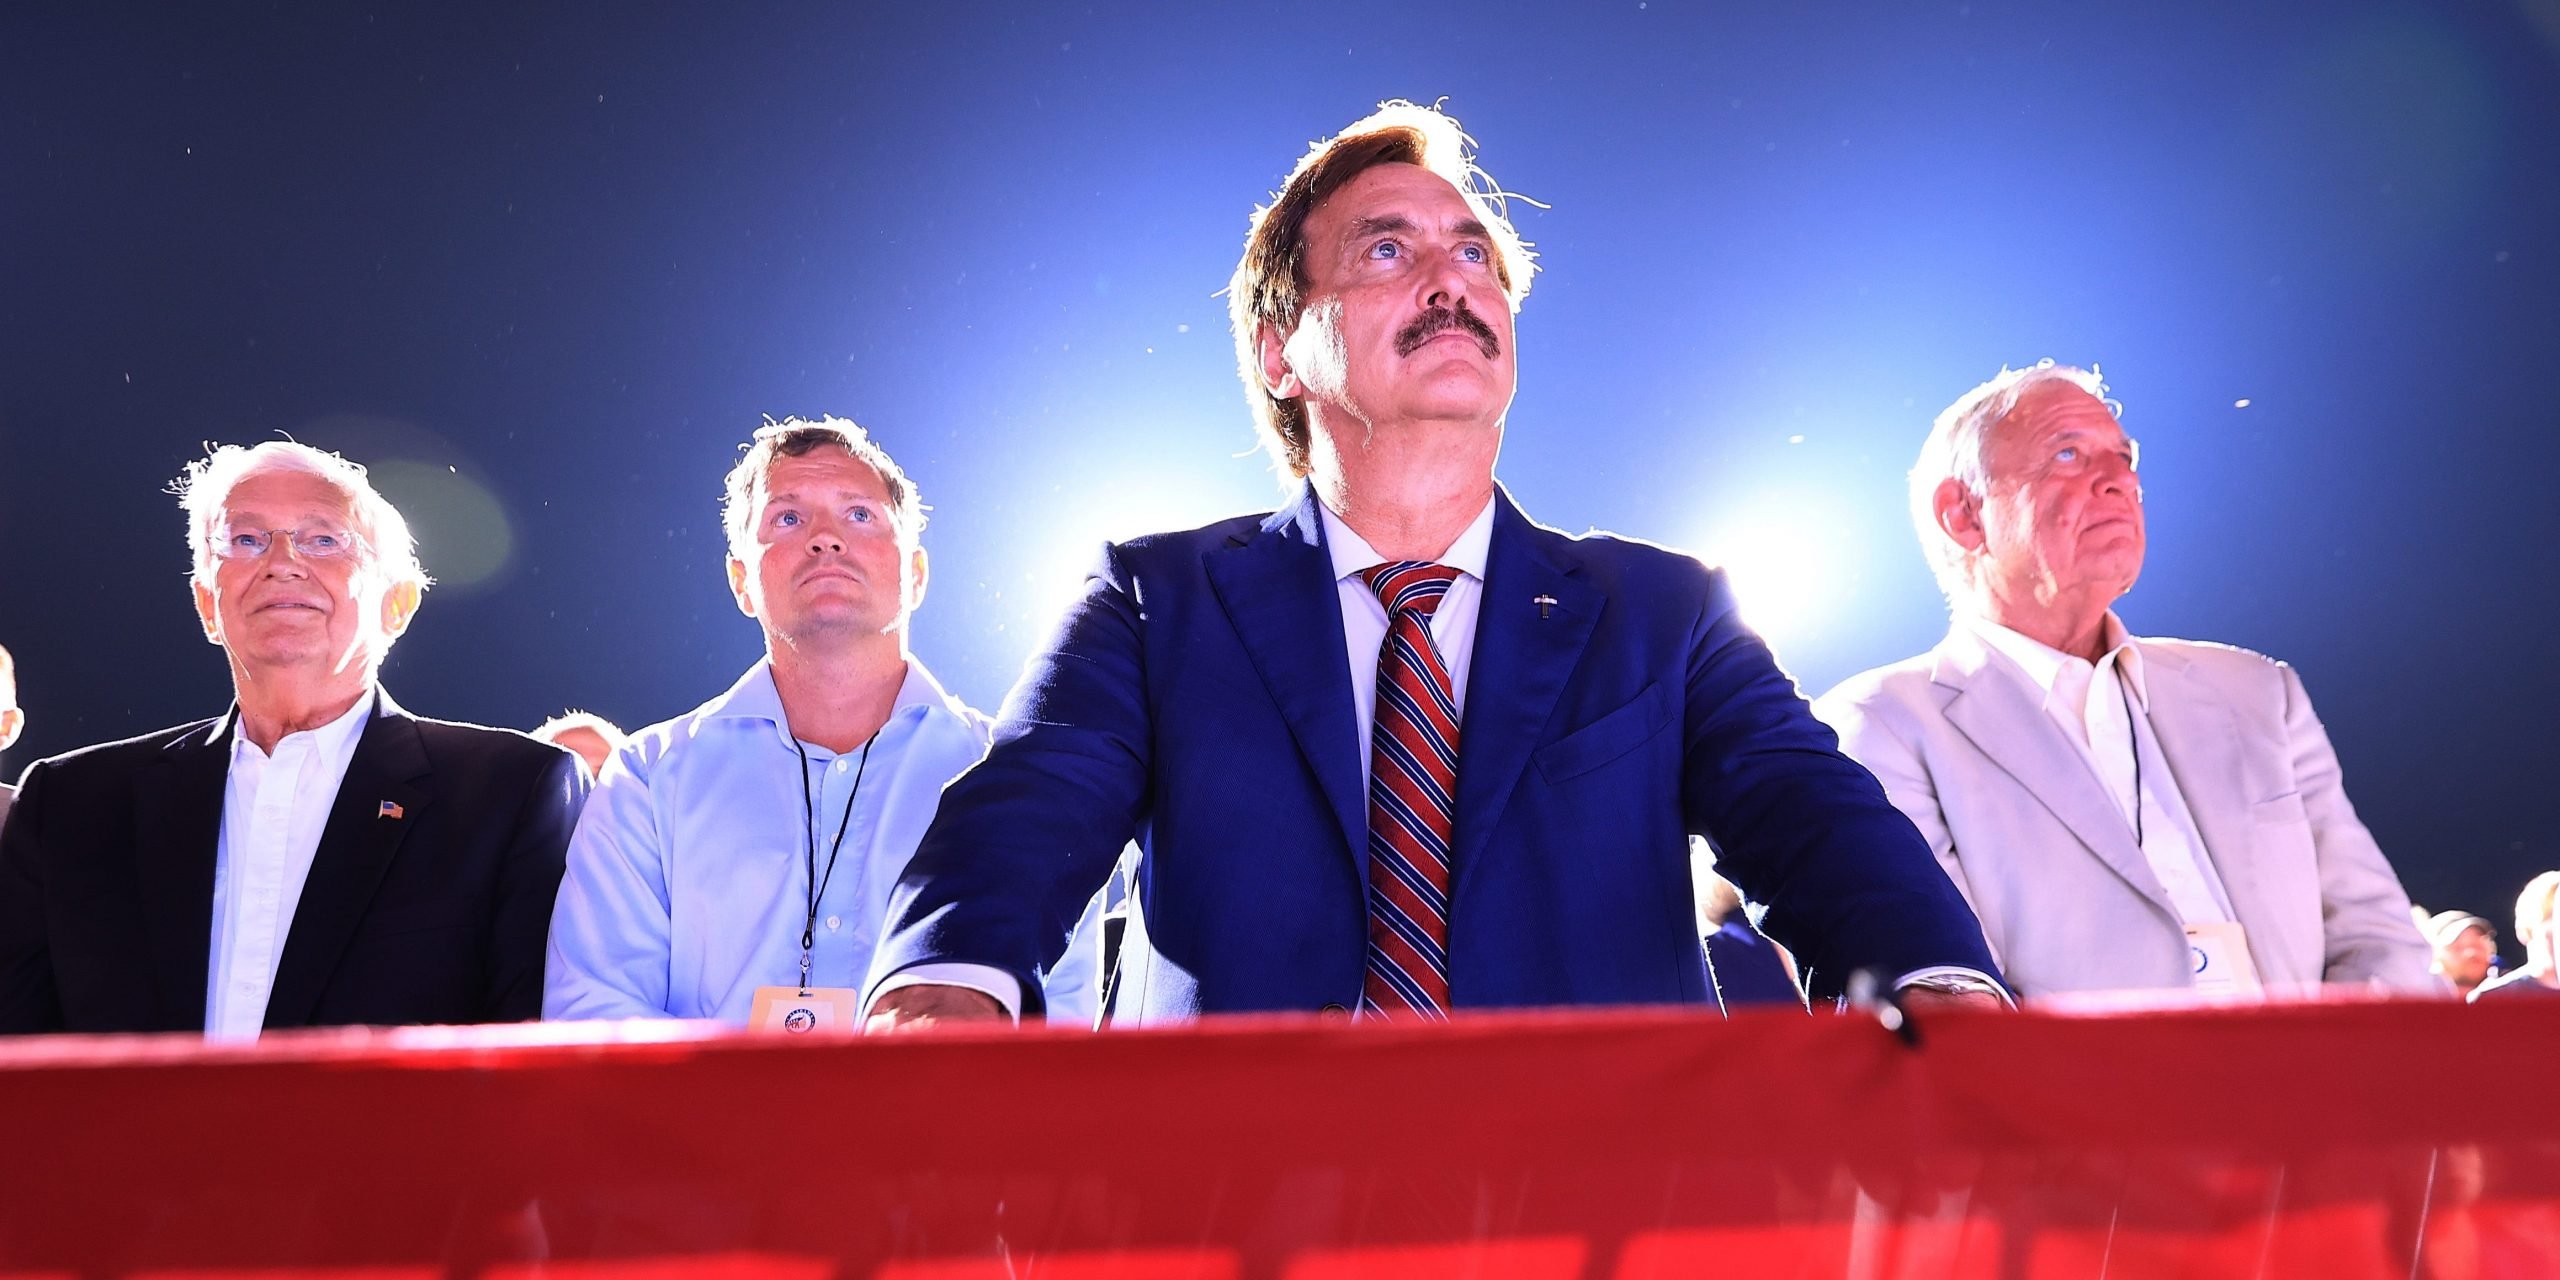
column 688, row 875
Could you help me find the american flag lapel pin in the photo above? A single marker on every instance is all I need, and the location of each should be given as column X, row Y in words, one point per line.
column 391, row 809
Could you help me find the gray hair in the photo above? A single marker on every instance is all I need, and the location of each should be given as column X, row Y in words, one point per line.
column 1954, row 451
column 204, row 489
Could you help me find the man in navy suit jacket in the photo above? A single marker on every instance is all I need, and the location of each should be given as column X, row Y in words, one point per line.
column 316, row 856
column 1214, row 693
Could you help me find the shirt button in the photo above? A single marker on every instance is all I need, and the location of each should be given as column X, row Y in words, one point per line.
column 834, row 923
column 840, row 766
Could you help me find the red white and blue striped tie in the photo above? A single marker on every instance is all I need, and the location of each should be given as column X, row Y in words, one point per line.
column 1413, row 779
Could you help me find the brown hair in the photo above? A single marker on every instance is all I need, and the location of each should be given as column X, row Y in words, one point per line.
column 1269, row 286
column 796, row 437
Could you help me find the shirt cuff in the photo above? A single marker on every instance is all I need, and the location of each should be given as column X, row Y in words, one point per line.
column 987, row 980
column 1954, row 977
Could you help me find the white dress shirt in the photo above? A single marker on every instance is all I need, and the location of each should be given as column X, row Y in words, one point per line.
column 2104, row 708
column 274, row 807
column 688, row 878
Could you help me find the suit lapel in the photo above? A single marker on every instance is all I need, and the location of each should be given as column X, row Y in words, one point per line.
column 177, row 836
column 356, row 848
column 1278, row 590
column 2198, row 736
column 1523, row 657
column 2007, row 723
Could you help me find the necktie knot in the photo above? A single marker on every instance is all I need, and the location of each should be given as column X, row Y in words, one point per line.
column 1409, row 586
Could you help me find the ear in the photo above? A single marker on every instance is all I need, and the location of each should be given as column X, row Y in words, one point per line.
column 917, row 575
column 1959, row 514
column 12, row 722
column 738, row 586
column 399, row 605
column 1277, row 377
column 208, row 611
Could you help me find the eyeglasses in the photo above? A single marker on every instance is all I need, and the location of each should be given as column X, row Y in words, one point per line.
column 311, row 544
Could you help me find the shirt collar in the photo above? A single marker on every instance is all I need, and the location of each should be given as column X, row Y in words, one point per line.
column 2042, row 664
column 754, row 697
column 335, row 738
column 1352, row 553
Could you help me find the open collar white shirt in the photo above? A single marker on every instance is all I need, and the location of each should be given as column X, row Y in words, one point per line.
column 2104, row 709
column 689, row 875
column 275, row 805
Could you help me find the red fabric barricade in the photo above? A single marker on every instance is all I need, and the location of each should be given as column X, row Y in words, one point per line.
column 2337, row 1140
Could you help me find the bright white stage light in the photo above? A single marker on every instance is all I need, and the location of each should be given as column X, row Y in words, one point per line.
column 1085, row 513
column 1789, row 564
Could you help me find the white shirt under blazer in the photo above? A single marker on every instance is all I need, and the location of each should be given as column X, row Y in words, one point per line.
column 1965, row 747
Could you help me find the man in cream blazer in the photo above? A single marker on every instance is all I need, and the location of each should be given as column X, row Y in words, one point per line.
column 2122, row 813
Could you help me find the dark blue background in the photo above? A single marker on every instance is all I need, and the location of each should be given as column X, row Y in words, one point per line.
column 546, row 267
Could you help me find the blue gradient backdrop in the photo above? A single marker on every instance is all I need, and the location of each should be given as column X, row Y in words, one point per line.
column 545, row 267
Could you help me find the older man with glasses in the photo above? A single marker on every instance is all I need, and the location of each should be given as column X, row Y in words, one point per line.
column 315, row 856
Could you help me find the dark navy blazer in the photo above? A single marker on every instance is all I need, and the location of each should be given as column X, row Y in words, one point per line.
column 436, row 915
column 1197, row 698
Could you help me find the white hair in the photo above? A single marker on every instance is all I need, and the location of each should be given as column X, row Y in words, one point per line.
column 205, row 489
column 1954, row 451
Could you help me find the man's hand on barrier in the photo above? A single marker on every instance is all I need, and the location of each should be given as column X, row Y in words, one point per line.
column 1924, row 1001
column 927, row 1005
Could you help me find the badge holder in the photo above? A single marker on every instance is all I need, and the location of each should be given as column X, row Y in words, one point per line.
column 2219, row 952
column 805, row 1011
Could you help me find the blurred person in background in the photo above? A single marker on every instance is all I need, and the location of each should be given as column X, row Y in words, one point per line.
column 316, row 855
column 2539, row 975
column 2124, row 813
column 2465, row 946
column 13, row 721
column 586, row 735
column 1748, row 968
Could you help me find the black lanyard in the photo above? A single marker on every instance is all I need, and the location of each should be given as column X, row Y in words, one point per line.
column 2134, row 737
column 809, row 821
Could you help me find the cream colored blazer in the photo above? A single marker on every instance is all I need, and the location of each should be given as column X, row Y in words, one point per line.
column 2067, row 900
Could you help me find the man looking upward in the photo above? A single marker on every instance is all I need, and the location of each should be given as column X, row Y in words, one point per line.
column 315, row 856
column 746, row 848
column 2123, row 812
column 1394, row 746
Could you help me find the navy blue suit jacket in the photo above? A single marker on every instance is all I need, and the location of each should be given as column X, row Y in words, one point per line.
column 1197, row 698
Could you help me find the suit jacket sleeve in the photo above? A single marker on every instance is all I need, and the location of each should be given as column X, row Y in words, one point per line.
column 1849, row 883
column 1024, row 839
column 528, row 881
column 2367, row 932
column 28, row 1001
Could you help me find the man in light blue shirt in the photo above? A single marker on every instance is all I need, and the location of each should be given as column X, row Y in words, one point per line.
column 752, row 842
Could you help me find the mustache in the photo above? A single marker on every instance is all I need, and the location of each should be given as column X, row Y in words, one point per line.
column 1439, row 320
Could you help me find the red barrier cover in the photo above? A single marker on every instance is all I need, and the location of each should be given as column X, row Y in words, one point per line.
column 2336, row 1140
